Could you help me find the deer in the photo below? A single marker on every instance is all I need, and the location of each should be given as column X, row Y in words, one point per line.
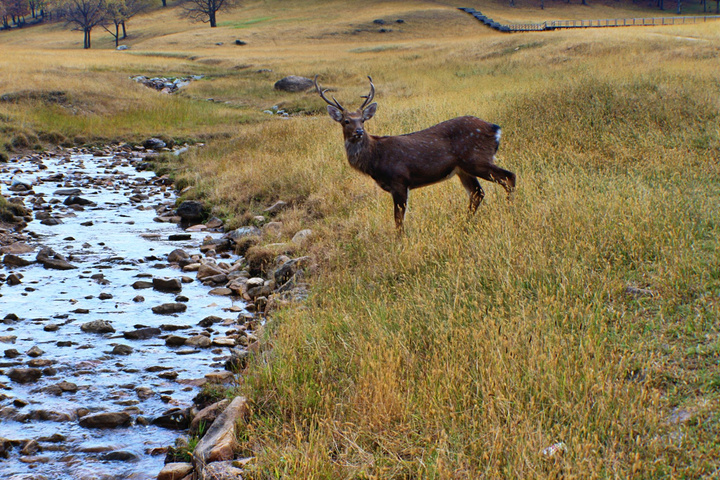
column 463, row 146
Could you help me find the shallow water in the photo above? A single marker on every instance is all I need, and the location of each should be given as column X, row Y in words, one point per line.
column 123, row 245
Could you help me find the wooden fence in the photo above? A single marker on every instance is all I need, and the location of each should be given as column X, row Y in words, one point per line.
column 602, row 23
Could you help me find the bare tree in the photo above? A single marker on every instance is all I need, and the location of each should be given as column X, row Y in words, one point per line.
column 86, row 15
column 205, row 10
column 119, row 12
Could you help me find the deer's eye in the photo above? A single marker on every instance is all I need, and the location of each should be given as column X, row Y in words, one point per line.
column 347, row 122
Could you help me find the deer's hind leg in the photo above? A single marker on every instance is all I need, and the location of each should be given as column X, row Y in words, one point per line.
column 473, row 188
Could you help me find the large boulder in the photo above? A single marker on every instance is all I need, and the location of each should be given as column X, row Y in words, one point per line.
column 191, row 211
column 219, row 442
column 294, row 83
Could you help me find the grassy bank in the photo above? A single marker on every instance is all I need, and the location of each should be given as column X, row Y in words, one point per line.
column 585, row 311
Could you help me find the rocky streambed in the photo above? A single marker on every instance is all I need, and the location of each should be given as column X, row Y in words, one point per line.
column 111, row 316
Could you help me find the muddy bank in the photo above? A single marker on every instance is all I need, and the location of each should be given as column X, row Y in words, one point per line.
column 111, row 316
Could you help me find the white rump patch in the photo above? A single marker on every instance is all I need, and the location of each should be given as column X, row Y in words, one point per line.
column 498, row 134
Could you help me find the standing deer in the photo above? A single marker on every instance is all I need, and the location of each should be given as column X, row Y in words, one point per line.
column 465, row 146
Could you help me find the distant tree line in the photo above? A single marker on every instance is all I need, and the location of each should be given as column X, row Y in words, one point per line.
column 110, row 15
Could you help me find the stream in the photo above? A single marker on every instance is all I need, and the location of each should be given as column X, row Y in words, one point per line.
column 54, row 371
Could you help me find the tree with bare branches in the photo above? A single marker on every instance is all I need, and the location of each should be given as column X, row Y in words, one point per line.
column 206, row 10
column 86, row 15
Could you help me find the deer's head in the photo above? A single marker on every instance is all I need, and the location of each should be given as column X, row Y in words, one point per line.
column 352, row 122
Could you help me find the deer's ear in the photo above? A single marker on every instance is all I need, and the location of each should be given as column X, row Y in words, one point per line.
column 335, row 113
column 369, row 111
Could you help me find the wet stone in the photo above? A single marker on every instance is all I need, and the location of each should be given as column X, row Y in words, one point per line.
column 169, row 308
column 34, row 352
column 122, row 350
column 170, row 285
column 24, row 375
column 97, row 326
column 142, row 333
column 105, row 420
column 11, row 353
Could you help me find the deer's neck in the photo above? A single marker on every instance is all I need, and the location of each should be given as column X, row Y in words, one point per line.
column 360, row 154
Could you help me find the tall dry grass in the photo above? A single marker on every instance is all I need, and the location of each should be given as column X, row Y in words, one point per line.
column 584, row 311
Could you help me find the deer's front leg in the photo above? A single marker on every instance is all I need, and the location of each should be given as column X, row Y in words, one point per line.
column 400, row 197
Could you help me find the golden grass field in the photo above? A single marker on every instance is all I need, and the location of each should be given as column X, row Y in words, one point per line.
column 468, row 346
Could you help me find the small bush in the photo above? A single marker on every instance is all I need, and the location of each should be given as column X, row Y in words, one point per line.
column 4, row 157
column 80, row 140
column 20, row 141
column 54, row 138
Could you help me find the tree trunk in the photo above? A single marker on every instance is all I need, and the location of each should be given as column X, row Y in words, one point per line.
column 124, row 31
column 117, row 35
column 164, row 3
column 213, row 22
column 86, row 40
column 679, row 11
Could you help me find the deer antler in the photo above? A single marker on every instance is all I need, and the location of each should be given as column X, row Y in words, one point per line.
column 369, row 97
column 334, row 103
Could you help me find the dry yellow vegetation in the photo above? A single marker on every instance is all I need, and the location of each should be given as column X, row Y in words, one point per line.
column 585, row 311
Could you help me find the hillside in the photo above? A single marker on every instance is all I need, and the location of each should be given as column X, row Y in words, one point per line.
column 584, row 311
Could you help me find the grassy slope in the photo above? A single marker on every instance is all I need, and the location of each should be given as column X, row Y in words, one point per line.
column 473, row 343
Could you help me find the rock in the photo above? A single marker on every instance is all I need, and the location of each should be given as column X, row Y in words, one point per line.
column 142, row 333
column 169, row 308
column 207, row 416
column 24, row 375
column 105, row 420
column 294, row 83
column 300, row 237
column 177, row 237
column 5, row 447
column 122, row 350
column 198, row 341
column 173, row 419
column 97, row 326
column 176, row 255
column 237, row 361
column 67, row 192
column 140, row 284
column 209, row 321
column 14, row 279
column 122, row 47
column 244, row 232
column 175, row 341
column 15, row 261
column 60, row 388
column 31, row 447
column 276, row 207
column 169, row 285
column 220, row 291
column 214, row 222
column 17, row 248
column 175, row 471
column 221, row 471
column 11, row 353
column 219, row 441
column 154, row 144
column 119, row 456
column 224, row 342
column 34, row 352
column 288, row 269
column 50, row 259
column 208, row 271
column 74, row 200
column 191, row 211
